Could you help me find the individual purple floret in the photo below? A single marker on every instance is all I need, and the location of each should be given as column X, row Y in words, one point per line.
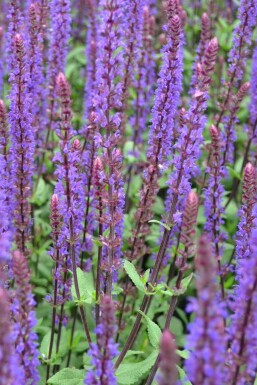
column 10, row 371
column 22, row 149
column 168, row 360
column 24, row 320
column 206, row 341
column 242, row 363
column 105, row 349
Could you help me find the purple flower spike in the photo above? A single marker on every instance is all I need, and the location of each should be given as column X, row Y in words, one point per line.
column 167, row 98
column 168, row 360
column 247, row 216
column 214, row 193
column 22, row 149
column 103, row 352
column 10, row 372
column 24, row 320
column 242, row 363
column 206, row 341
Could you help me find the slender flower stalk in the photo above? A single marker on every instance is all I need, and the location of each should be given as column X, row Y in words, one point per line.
column 206, row 341
column 10, row 371
column 103, row 352
column 22, row 149
column 24, row 320
column 242, row 331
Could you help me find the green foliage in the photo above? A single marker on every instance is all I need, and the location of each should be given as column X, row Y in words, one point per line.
column 68, row 376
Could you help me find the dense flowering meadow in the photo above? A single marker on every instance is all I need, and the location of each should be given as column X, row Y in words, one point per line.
column 128, row 192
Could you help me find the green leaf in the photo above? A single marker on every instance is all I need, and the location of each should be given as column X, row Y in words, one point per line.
column 186, row 281
column 154, row 332
column 183, row 354
column 129, row 374
column 86, row 287
column 134, row 276
column 68, row 376
column 63, row 347
column 160, row 223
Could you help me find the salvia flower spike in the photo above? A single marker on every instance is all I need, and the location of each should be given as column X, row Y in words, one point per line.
column 206, row 341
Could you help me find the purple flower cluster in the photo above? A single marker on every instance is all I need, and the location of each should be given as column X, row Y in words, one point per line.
column 242, row 364
column 104, row 350
column 10, row 371
column 214, row 194
column 206, row 341
column 24, row 320
column 23, row 144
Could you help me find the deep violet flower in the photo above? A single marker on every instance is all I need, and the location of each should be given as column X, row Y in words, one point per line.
column 168, row 360
column 206, row 341
column 103, row 352
column 22, row 149
column 24, row 320
column 10, row 371
column 242, row 363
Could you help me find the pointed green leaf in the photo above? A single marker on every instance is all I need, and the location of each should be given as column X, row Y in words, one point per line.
column 160, row 223
column 134, row 276
column 154, row 332
column 68, row 376
column 85, row 285
column 129, row 374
